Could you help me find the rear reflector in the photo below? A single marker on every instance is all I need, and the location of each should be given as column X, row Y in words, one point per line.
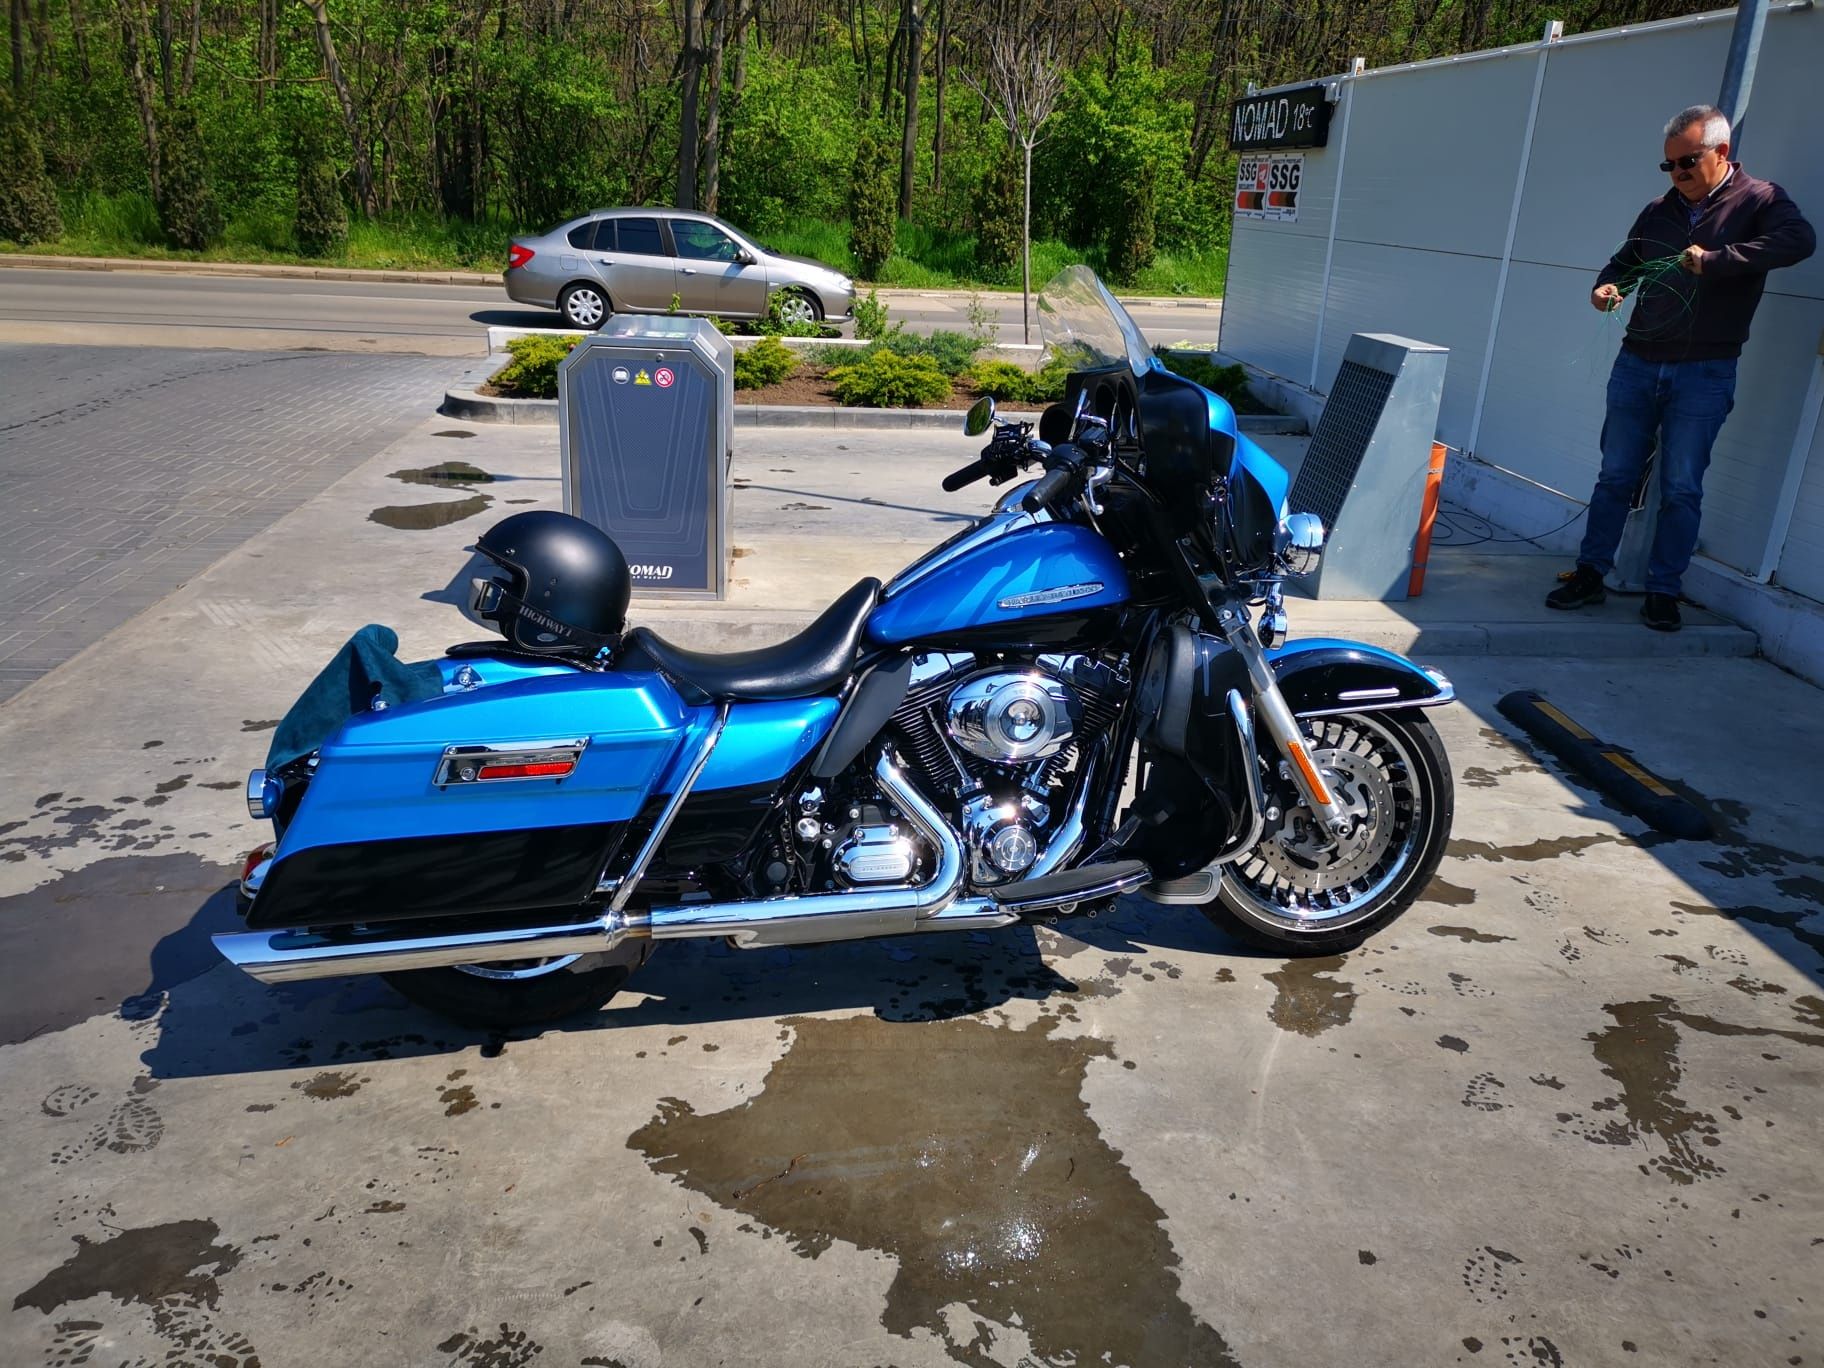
column 518, row 256
column 553, row 769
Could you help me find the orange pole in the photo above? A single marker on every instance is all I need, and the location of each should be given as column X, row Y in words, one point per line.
column 1428, row 514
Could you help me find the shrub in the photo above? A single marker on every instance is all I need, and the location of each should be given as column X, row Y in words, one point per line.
column 765, row 363
column 952, row 351
column 28, row 200
column 1229, row 382
column 532, row 373
column 870, row 316
column 321, row 224
column 873, row 203
column 885, row 379
column 187, row 209
column 1009, row 384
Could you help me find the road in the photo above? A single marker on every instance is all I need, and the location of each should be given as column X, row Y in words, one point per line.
column 160, row 309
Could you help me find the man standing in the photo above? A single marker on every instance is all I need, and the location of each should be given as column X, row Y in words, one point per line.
column 1696, row 260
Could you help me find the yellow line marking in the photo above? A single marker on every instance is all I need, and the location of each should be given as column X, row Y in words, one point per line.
column 1639, row 775
column 1562, row 720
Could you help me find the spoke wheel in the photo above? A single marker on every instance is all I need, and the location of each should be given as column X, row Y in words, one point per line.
column 514, row 971
column 1307, row 891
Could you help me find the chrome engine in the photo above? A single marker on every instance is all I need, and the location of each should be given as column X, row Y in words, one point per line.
column 997, row 739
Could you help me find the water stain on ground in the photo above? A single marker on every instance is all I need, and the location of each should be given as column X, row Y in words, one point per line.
column 1791, row 921
column 1469, row 935
column 327, row 1086
column 1310, row 1002
column 967, row 1153
column 1545, row 848
column 1640, row 1052
column 1448, row 894
column 423, row 517
column 446, row 475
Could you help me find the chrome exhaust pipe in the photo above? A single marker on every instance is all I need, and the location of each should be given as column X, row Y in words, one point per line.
column 797, row 919
column 287, row 956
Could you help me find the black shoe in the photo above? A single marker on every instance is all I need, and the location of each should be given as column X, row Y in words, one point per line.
column 1582, row 586
column 1660, row 612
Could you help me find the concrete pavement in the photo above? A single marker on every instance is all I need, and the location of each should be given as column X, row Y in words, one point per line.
column 1563, row 1113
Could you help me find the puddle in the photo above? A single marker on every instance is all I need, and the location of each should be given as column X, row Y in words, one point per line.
column 1448, row 894
column 423, row 517
column 1310, row 1002
column 967, row 1153
column 446, row 474
column 1792, row 922
column 1468, row 935
column 1545, row 848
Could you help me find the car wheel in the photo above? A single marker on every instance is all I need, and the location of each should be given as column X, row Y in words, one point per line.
column 583, row 306
column 797, row 308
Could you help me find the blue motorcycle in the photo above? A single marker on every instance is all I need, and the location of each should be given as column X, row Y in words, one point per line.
column 1087, row 693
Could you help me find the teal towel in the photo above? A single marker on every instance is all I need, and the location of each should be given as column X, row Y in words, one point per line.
column 366, row 669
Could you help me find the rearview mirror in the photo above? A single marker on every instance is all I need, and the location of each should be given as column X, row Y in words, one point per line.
column 979, row 417
column 744, row 257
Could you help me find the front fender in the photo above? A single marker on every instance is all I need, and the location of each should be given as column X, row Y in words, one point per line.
column 1322, row 675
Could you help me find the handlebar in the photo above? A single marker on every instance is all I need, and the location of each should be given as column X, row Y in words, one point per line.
column 968, row 475
column 1051, row 484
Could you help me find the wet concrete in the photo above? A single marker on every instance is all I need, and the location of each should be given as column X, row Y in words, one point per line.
column 1003, row 1198
column 1311, row 1000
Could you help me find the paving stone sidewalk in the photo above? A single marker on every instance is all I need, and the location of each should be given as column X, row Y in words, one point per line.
column 127, row 471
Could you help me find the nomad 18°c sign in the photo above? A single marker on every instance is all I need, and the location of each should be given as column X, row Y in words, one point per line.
column 1291, row 118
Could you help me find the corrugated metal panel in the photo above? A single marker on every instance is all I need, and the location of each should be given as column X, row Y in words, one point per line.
column 1434, row 297
column 1802, row 561
column 1433, row 155
column 1269, row 314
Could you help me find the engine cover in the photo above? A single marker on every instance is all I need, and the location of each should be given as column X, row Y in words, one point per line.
column 1011, row 717
column 876, row 854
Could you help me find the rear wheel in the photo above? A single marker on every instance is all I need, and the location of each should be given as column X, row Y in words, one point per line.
column 583, row 306
column 515, row 992
column 1298, row 893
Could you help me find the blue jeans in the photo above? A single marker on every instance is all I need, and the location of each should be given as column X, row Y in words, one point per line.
column 1681, row 404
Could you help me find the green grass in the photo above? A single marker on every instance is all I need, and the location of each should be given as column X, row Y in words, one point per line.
column 925, row 257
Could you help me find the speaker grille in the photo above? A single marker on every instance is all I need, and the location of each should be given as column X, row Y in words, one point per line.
column 1337, row 447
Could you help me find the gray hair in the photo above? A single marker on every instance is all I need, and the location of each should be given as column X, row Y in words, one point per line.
column 1715, row 122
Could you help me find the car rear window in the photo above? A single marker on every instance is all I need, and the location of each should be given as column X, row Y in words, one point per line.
column 640, row 236
column 583, row 236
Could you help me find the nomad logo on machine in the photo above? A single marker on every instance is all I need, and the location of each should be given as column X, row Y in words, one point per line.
column 650, row 572
column 1062, row 594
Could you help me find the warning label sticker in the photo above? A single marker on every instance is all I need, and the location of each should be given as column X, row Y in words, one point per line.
column 1266, row 187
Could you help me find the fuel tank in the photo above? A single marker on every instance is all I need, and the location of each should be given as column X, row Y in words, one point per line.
column 1010, row 581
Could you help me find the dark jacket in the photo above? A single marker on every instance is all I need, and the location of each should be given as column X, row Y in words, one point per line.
column 1747, row 228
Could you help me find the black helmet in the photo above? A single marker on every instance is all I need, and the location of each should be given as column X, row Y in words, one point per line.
column 568, row 587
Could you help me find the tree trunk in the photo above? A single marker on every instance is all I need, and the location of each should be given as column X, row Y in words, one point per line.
column 690, row 58
column 891, row 64
column 1026, row 253
column 908, row 147
column 744, row 13
column 16, row 14
column 351, row 119
column 712, row 109
column 943, row 70
column 134, row 39
column 80, row 40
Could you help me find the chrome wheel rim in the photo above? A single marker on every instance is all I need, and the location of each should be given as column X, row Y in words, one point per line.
column 1289, row 883
column 795, row 308
column 584, row 308
column 519, row 969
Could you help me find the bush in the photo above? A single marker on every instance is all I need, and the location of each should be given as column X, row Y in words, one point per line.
column 532, row 373
column 28, row 200
column 952, row 351
column 886, row 379
column 1228, row 382
column 870, row 316
column 873, row 203
column 321, row 225
column 1009, row 384
column 765, row 363
column 187, row 210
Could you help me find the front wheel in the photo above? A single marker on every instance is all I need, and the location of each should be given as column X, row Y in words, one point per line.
column 1298, row 892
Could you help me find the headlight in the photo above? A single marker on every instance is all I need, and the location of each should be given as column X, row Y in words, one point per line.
column 1300, row 543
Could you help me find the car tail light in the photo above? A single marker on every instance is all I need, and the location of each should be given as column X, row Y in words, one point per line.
column 518, row 256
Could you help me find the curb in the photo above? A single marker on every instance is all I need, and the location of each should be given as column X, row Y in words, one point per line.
column 474, row 407
column 272, row 271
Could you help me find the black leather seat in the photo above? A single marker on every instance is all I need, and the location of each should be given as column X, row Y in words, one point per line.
column 815, row 661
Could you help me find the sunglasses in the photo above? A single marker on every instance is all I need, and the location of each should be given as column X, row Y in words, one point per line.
column 1686, row 162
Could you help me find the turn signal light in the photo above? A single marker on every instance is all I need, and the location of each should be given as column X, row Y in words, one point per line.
column 518, row 256
column 547, row 769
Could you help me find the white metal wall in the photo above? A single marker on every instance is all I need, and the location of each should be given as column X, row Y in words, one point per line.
column 1431, row 157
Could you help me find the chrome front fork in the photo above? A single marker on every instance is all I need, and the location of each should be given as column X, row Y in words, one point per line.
column 1277, row 721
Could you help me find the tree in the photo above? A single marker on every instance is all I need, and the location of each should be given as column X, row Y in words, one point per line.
column 187, row 208
column 908, row 147
column 28, row 200
column 351, row 116
column 872, row 223
column 997, row 218
column 1022, row 75
column 1131, row 241
column 690, row 68
column 321, row 223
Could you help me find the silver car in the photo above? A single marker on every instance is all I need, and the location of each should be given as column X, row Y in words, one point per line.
column 639, row 260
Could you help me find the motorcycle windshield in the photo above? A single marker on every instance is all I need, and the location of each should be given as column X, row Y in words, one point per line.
column 1082, row 322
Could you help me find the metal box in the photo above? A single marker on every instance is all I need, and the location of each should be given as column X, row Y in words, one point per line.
column 1364, row 472
column 646, row 412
